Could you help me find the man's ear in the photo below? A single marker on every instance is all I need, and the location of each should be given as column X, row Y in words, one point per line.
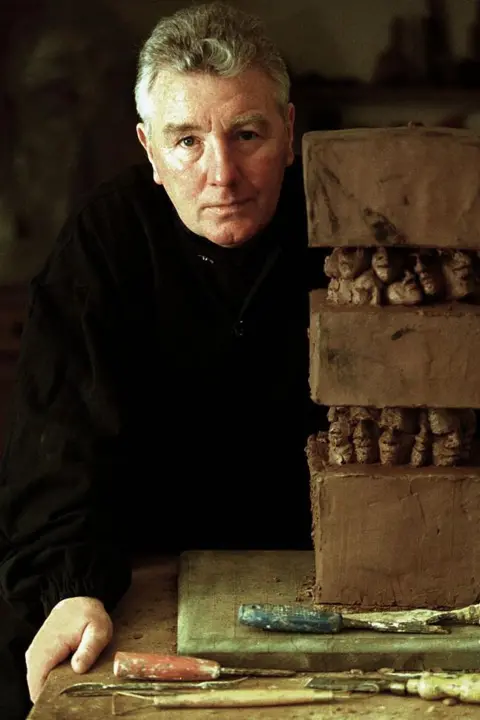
column 290, row 126
column 147, row 146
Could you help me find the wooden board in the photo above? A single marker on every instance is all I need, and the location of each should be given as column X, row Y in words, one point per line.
column 212, row 585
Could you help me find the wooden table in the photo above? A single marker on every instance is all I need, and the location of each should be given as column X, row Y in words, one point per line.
column 146, row 620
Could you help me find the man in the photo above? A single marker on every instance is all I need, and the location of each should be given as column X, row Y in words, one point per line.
column 162, row 400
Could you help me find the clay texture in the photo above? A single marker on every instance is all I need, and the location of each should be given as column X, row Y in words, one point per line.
column 399, row 356
column 413, row 186
column 393, row 536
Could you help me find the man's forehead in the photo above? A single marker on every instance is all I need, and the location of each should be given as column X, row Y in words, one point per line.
column 249, row 92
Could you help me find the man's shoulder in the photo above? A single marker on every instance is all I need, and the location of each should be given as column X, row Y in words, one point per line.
column 131, row 188
column 117, row 219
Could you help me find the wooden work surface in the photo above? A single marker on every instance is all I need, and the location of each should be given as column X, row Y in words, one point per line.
column 146, row 620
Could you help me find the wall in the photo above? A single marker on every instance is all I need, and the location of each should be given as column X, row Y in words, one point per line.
column 344, row 37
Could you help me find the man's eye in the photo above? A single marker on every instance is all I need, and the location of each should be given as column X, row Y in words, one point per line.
column 188, row 141
column 247, row 135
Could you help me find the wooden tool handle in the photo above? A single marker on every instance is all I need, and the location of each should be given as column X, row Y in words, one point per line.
column 244, row 698
column 153, row 666
column 289, row 618
column 465, row 688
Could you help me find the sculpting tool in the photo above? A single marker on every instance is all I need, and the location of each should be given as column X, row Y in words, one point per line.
column 235, row 699
column 465, row 687
column 146, row 687
column 153, row 666
column 298, row 619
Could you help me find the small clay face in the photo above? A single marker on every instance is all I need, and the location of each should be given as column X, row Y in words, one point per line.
column 447, row 437
column 366, row 289
column 339, row 431
column 395, row 447
column 352, row 262
column 396, row 441
column 422, row 447
column 428, row 270
column 458, row 273
column 340, row 448
column 443, row 421
column 386, row 264
column 340, row 291
column 447, row 449
column 405, row 292
column 365, row 441
column 381, row 264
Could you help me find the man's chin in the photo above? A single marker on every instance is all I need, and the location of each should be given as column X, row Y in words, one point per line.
column 231, row 235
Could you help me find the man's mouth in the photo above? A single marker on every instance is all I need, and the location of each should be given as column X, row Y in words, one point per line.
column 227, row 205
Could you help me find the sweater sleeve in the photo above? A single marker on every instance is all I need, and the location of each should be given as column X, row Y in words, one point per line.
column 65, row 448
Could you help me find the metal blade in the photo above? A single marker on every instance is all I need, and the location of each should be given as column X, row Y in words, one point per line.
column 390, row 626
column 94, row 689
column 257, row 672
column 348, row 684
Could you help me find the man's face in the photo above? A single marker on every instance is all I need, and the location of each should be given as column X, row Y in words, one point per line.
column 219, row 146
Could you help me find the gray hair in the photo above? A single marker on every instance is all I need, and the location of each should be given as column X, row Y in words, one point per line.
column 212, row 38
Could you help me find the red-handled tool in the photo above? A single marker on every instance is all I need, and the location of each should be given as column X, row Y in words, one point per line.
column 153, row 666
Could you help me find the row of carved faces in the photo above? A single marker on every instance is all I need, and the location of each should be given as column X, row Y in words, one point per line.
column 401, row 436
column 401, row 276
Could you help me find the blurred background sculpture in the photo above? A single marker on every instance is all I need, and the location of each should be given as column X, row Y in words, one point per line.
column 67, row 115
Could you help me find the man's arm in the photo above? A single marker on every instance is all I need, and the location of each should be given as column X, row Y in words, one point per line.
column 65, row 450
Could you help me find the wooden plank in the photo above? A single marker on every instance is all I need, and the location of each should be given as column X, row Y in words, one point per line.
column 212, row 585
column 394, row 356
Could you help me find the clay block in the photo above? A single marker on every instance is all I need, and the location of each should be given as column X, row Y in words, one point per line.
column 394, row 356
column 393, row 186
column 392, row 536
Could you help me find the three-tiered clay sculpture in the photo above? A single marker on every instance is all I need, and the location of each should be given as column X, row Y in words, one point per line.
column 395, row 355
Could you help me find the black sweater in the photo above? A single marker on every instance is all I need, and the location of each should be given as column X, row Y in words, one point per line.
column 162, row 399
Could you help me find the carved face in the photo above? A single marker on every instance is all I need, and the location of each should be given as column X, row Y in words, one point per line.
column 459, row 275
column 395, row 447
column 381, row 264
column 405, row 292
column 365, row 441
column 447, row 437
column 339, row 431
column 447, row 449
column 352, row 262
column 428, row 270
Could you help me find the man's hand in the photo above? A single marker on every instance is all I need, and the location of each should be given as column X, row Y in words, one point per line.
column 78, row 625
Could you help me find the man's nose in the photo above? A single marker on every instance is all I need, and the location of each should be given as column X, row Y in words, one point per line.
column 220, row 164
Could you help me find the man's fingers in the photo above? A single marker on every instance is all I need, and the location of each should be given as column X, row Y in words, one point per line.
column 80, row 625
column 95, row 638
column 41, row 659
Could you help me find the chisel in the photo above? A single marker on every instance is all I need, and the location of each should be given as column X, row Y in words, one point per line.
column 299, row 619
column 153, row 666
column 465, row 687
